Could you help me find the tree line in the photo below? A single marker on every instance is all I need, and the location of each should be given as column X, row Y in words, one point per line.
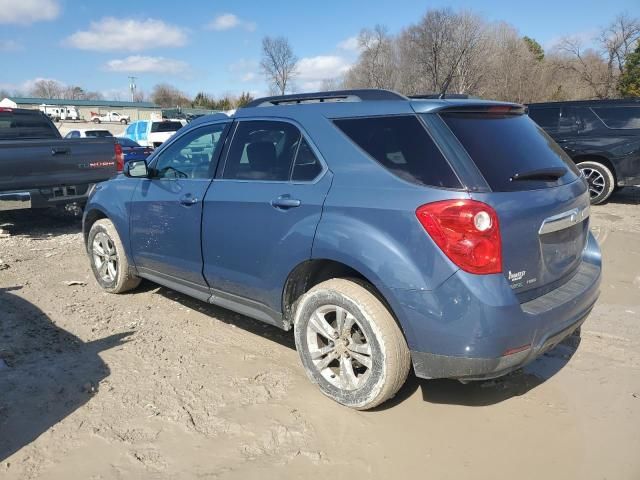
column 461, row 52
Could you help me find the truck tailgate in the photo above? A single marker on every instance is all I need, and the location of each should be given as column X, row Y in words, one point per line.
column 55, row 162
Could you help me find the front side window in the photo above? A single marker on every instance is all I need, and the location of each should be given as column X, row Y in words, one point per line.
column 619, row 117
column 401, row 145
column 141, row 132
column 193, row 155
column 262, row 150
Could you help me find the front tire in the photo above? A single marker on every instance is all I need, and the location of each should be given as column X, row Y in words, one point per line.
column 123, row 121
column 96, row 120
column 601, row 181
column 108, row 259
column 349, row 344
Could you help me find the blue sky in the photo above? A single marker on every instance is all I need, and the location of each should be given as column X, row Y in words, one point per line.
column 214, row 45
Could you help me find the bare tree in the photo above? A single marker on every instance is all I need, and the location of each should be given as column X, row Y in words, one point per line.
column 167, row 95
column 600, row 67
column 47, row 89
column 444, row 49
column 278, row 63
column 377, row 66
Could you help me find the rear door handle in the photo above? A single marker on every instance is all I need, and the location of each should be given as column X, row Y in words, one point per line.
column 188, row 200
column 285, row 202
column 59, row 151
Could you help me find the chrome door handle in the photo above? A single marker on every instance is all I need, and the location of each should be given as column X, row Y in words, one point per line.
column 188, row 200
column 285, row 202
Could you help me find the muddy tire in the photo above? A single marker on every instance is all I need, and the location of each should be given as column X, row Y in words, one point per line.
column 108, row 259
column 601, row 181
column 349, row 344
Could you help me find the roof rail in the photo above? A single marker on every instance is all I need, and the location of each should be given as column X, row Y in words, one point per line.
column 361, row 95
column 428, row 96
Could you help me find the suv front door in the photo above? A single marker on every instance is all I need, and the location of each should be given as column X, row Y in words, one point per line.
column 261, row 213
column 166, row 209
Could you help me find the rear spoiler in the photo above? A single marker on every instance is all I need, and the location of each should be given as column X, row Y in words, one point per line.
column 468, row 106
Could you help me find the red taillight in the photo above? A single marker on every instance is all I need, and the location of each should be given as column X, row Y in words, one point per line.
column 5, row 109
column 467, row 231
column 119, row 157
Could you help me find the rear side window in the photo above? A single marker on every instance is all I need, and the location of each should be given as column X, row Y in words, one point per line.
column 503, row 145
column 98, row 133
column 401, row 145
column 25, row 125
column 545, row 117
column 165, row 127
column 619, row 117
column 307, row 166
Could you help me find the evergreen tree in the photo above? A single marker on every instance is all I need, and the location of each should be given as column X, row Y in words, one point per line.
column 629, row 83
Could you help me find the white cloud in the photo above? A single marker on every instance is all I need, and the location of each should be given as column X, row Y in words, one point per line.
column 246, row 70
column 128, row 34
column 350, row 44
column 10, row 46
column 144, row 64
column 313, row 70
column 228, row 21
column 26, row 12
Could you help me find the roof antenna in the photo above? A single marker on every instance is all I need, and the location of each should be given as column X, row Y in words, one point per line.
column 445, row 87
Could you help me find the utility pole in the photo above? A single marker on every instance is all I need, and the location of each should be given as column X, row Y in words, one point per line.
column 132, row 87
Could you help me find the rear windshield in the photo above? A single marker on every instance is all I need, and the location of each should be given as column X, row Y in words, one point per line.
column 25, row 125
column 126, row 142
column 165, row 127
column 98, row 133
column 619, row 117
column 401, row 145
column 503, row 145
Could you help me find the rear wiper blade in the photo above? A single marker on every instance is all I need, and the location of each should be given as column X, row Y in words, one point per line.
column 548, row 174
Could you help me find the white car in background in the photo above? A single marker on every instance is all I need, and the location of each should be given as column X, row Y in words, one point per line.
column 152, row 133
column 88, row 133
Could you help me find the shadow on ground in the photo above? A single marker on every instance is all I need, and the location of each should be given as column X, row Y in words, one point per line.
column 628, row 195
column 39, row 223
column 46, row 373
column 479, row 393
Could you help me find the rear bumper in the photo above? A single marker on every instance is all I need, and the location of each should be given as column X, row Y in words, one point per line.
column 427, row 365
column 472, row 328
column 44, row 197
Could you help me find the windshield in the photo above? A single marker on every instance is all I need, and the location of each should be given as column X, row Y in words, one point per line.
column 165, row 127
column 25, row 125
column 503, row 145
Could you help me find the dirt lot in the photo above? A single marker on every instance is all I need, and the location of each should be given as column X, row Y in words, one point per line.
column 156, row 385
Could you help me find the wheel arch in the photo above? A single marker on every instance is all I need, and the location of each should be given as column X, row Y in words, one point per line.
column 90, row 217
column 309, row 273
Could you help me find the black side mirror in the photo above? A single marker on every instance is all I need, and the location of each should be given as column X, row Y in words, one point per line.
column 136, row 169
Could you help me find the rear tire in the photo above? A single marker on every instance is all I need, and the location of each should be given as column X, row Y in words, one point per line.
column 123, row 121
column 108, row 259
column 600, row 179
column 349, row 344
column 96, row 120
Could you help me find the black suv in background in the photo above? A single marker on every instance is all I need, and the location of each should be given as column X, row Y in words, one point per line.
column 601, row 136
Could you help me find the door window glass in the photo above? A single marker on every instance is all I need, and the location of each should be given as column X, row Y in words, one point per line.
column 262, row 150
column 619, row 117
column 307, row 166
column 192, row 155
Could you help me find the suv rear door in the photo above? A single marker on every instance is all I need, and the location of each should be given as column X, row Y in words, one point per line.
column 543, row 221
column 261, row 213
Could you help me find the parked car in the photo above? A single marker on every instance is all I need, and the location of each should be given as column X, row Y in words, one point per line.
column 601, row 136
column 152, row 133
column 60, row 112
column 451, row 235
column 132, row 151
column 41, row 169
column 88, row 133
column 113, row 117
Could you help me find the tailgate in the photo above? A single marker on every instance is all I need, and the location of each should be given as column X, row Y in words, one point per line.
column 535, row 189
column 28, row 164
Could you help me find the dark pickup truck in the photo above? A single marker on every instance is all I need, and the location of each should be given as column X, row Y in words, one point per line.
column 38, row 168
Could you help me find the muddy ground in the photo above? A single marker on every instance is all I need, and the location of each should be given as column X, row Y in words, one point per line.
column 156, row 385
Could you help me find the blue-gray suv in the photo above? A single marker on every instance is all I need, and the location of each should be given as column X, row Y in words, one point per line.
column 451, row 236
